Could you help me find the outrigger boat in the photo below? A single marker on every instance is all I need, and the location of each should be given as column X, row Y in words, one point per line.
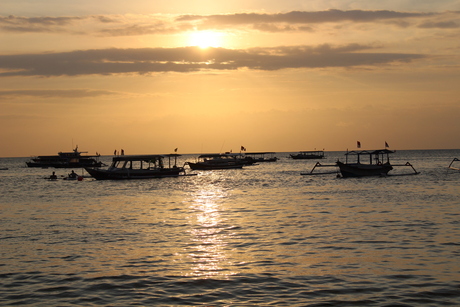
column 218, row 161
column 377, row 165
column 317, row 154
column 454, row 168
column 73, row 159
column 138, row 167
column 256, row 157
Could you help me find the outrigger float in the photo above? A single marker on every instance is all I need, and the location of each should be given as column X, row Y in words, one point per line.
column 377, row 165
column 454, row 168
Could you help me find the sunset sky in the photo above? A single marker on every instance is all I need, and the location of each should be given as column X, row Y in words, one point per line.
column 210, row 76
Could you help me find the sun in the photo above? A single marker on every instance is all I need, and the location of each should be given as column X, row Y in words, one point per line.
column 205, row 39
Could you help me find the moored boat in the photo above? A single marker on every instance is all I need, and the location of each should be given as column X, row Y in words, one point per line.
column 378, row 164
column 316, row 154
column 138, row 167
column 73, row 159
column 218, row 161
column 256, row 157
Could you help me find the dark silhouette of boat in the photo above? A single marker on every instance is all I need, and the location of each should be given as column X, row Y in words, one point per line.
column 256, row 157
column 316, row 154
column 218, row 161
column 73, row 159
column 138, row 167
column 378, row 164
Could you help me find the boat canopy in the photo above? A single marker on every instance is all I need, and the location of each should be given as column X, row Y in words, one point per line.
column 228, row 155
column 367, row 152
column 311, row 151
column 120, row 161
column 138, row 158
column 377, row 155
column 259, row 153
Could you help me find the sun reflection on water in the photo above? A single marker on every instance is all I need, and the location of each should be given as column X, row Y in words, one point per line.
column 209, row 233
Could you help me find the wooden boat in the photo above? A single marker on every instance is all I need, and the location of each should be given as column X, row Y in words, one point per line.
column 138, row 167
column 218, row 161
column 73, row 159
column 454, row 168
column 256, row 157
column 316, row 154
column 377, row 165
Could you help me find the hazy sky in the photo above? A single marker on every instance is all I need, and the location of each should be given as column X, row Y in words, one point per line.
column 210, row 76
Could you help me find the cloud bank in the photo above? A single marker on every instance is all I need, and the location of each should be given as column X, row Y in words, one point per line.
column 300, row 21
column 190, row 59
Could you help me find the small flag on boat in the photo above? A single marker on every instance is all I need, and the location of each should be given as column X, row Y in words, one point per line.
column 386, row 145
column 358, row 144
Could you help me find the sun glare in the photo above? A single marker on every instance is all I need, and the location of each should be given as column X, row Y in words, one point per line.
column 205, row 39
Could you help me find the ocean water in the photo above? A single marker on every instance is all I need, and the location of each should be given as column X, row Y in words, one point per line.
column 260, row 236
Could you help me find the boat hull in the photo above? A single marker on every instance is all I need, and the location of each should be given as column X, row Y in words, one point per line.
column 205, row 166
column 64, row 164
column 363, row 170
column 306, row 157
column 257, row 160
column 123, row 174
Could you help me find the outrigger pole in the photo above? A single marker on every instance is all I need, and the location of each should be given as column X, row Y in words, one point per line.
column 407, row 164
column 454, row 168
column 321, row 165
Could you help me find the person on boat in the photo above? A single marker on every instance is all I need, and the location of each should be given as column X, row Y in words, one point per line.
column 73, row 174
column 53, row 176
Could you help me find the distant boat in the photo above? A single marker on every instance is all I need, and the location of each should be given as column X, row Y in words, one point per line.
column 256, row 157
column 454, row 168
column 316, row 154
column 138, row 167
column 73, row 159
column 378, row 165
column 218, row 161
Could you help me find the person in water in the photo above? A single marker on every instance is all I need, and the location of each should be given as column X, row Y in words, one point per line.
column 73, row 174
column 53, row 176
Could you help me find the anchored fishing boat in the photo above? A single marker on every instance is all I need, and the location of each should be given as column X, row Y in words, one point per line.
column 377, row 165
column 73, row 159
column 218, row 161
column 138, row 167
column 256, row 157
column 317, row 154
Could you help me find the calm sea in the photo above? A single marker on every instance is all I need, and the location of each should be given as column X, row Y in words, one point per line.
column 260, row 236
